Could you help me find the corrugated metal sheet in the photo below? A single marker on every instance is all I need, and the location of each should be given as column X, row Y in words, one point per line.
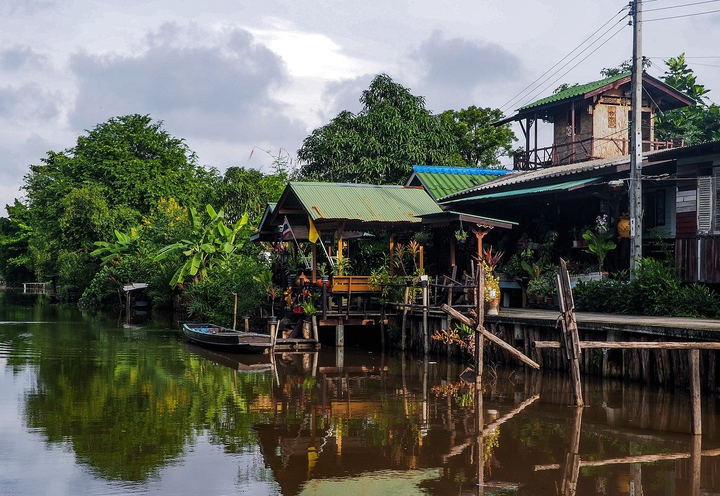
column 538, row 189
column 363, row 202
column 443, row 181
column 574, row 91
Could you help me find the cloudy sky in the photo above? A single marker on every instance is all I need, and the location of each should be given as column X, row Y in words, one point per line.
column 232, row 75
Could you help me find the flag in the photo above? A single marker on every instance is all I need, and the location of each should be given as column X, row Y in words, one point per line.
column 312, row 232
column 286, row 229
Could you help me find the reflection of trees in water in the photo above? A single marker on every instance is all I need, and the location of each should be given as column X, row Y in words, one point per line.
column 128, row 407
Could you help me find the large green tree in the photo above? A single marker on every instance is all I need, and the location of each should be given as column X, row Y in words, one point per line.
column 479, row 142
column 116, row 173
column 699, row 123
column 381, row 143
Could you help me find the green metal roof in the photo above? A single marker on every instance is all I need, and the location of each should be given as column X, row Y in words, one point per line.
column 575, row 91
column 363, row 202
column 443, row 181
column 568, row 185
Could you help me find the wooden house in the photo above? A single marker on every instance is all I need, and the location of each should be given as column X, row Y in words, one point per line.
column 681, row 199
column 591, row 121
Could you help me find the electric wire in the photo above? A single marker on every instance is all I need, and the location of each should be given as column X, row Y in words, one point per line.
column 682, row 15
column 541, row 91
column 522, row 93
column 680, row 6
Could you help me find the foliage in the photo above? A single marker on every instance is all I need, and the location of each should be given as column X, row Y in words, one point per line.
column 480, row 143
column 212, row 298
column 207, row 244
column 246, row 191
column 392, row 132
column 461, row 235
column 625, row 66
column 265, row 280
column 655, row 289
column 599, row 244
column 15, row 235
column 116, row 173
column 698, row 123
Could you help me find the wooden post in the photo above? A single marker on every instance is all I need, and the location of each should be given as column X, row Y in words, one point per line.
column 404, row 319
column 315, row 329
column 235, row 312
column 479, row 431
column 382, row 328
column 246, row 322
column 426, row 299
column 392, row 253
column 694, row 359
column 696, row 463
column 480, row 309
column 571, row 338
column 273, row 333
column 572, row 459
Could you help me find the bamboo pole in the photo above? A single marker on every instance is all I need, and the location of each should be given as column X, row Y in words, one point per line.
column 657, row 345
column 570, row 336
column 490, row 336
column 235, row 312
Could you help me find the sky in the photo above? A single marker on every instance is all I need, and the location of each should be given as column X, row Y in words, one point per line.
column 232, row 76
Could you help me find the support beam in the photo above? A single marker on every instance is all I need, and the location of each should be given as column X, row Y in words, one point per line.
column 694, row 359
column 492, row 337
column 645, row 345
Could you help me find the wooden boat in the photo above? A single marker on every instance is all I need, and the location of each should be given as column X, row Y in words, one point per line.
column 226, row 339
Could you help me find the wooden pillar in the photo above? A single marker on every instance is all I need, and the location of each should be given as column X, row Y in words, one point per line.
column 696, row 463
column 425, row 300
column 572, row 129
column 479, row 339
column 422, row 258
column 694, row 359
column 340, row 335
column 570, row 336
column 453, row 247
column 479, row 449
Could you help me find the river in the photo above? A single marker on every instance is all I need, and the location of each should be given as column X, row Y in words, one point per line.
column 89, row 405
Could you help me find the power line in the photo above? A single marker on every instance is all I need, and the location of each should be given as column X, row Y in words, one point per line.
column 581, row 61
column 518, row 96
column 680, row 6
column 684, row 15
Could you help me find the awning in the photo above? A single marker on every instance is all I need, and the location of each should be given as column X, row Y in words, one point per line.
column 448, row 216
column 566, row 186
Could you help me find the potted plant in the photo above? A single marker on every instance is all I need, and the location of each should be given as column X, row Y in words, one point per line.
column 461, row 235
column 422, row 237
column 599, row 244
column 310, row 311
column 265, row 279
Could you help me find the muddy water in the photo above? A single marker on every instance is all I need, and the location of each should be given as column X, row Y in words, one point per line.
column 90, row 406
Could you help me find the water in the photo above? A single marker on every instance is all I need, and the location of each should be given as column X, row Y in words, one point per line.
column 89, row 406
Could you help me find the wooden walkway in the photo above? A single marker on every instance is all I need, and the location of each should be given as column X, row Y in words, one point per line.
column 674, row 327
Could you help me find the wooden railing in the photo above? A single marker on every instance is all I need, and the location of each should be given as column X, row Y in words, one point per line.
column 581, row 150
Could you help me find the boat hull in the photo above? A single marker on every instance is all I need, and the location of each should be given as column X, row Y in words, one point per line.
column 217, row 337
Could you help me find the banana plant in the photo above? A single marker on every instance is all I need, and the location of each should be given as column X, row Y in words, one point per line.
column 208, row 243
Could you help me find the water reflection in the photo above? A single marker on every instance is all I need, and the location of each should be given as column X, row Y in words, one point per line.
column 139, row 410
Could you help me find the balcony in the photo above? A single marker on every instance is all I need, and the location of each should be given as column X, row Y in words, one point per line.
column 581, row 151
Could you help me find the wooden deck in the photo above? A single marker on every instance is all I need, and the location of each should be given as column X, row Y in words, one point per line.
column 675, row 327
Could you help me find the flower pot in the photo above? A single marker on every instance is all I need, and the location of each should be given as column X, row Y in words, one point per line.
column 493, row 306
column 623, row 227
column 306, row 328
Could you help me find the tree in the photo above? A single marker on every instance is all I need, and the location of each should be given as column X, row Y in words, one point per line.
column 479, row 142
column 116, row 173
column 392, row 132
column 15, row 234
column 699, row 123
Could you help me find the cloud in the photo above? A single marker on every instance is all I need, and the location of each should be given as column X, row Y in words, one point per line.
column 28, row 101
column 345, row 95
column 30, row 7
column 203, row 83
column 20, row 57
column 457, row 63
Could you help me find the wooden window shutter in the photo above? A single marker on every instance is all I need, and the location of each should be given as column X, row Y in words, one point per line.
column 705, row 211
column 716, row 198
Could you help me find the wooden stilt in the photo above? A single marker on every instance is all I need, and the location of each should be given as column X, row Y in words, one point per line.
column 570, row 336
column 571, row 471
column 695, row 391
column 480, row 309
column 425, row 300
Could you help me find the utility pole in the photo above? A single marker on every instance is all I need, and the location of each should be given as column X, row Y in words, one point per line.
column 635, row 193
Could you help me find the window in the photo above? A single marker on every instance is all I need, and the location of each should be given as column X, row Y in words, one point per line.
column 654, row 206
column 708, row 203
